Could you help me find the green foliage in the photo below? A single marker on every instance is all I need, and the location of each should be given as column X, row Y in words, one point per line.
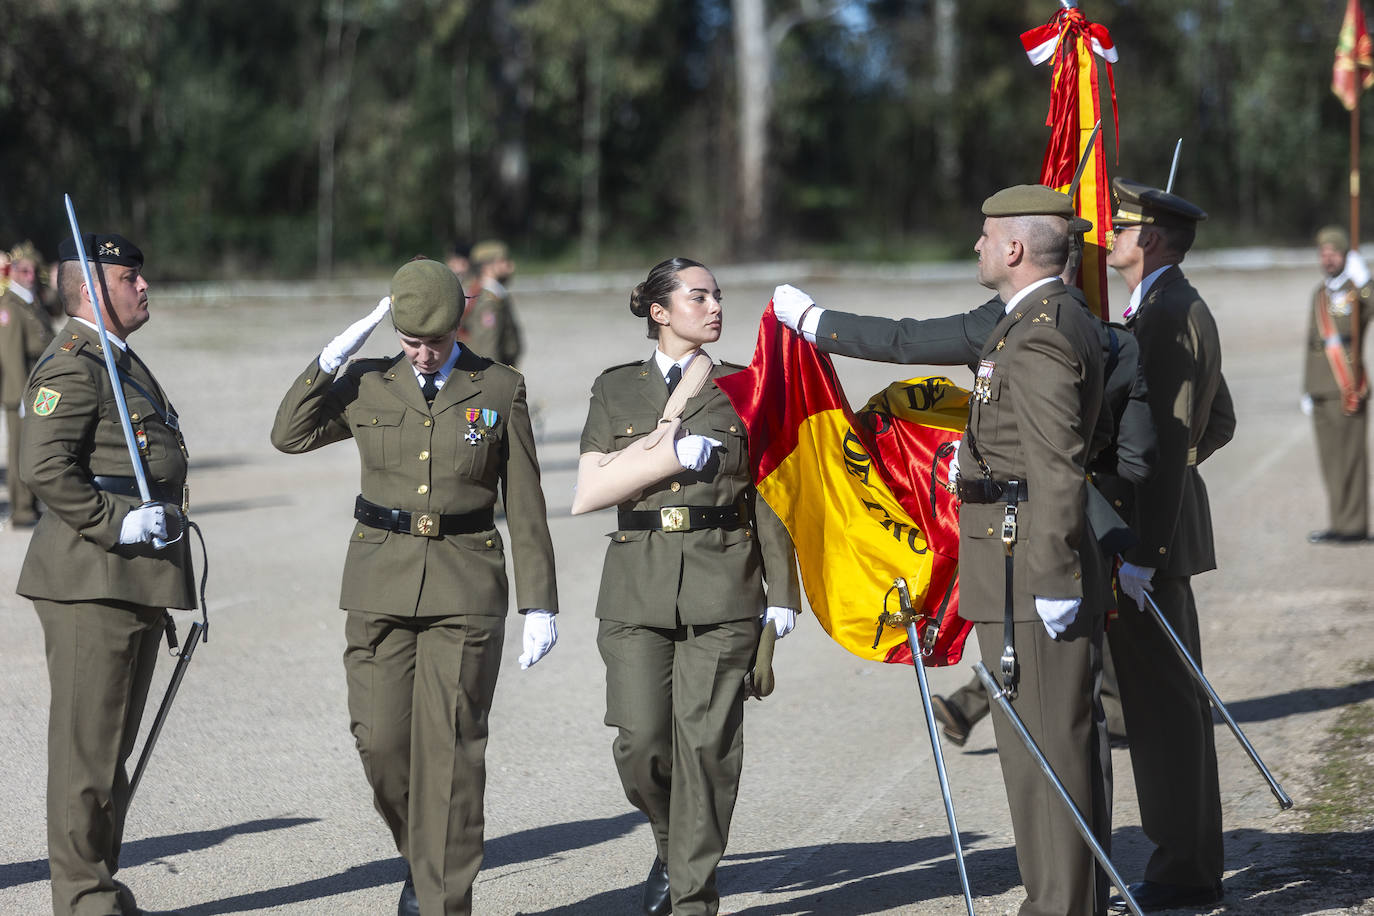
column 195, row 125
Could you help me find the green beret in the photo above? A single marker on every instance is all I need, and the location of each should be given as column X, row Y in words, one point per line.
column 488, row 251
column 1137, row 203
column 1029, row 200
column 426, row 299
column 1334, row 236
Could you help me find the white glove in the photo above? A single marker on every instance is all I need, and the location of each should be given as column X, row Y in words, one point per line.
column 790, row 305
column 694, row 451
column 1356, row 269
column 143, row 525
column 1135, row 582
column 1305, row 405
column 338, row 350
column 954, row 467
column 1057, row 614
column 541, row 633
column 783, row 619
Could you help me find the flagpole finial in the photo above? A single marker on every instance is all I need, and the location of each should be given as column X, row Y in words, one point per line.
column 1069, row 4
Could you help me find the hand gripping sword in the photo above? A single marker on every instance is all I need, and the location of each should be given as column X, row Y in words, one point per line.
column 1196, row 670
column 999, row 696
column 907, row 617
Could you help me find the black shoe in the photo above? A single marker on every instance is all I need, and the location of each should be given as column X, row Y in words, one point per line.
column 1334, row 537
column 952, row 722
column 657, row 900
column 1155, row 895
column 409, row 904
column 125, row 897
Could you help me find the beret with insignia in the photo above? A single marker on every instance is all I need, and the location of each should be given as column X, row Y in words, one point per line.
column 1029, row 200
column 1137, row 203
column 1334, row 236
column 426, row 299
column 102, row 248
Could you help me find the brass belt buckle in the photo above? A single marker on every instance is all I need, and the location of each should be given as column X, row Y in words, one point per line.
column 424, row 524
column 673, row 518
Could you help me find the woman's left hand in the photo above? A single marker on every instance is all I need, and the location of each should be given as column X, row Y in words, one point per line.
column 783, row 619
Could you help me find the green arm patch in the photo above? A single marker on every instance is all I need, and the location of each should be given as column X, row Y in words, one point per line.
column 45, row 401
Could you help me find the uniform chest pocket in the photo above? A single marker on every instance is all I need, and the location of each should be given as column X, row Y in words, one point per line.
column 378, row 433
column 733, row 452
column 477, row 451
column 629, row 427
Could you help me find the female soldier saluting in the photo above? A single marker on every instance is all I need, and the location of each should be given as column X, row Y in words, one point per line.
column 682, row 591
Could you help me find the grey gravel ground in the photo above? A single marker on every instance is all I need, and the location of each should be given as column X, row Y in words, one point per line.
column 255, row 801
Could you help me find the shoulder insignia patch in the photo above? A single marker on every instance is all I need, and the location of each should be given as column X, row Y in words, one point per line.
column 45, row 401
column 69, row 345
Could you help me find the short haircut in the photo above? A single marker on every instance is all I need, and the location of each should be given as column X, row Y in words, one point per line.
column 1046, row 239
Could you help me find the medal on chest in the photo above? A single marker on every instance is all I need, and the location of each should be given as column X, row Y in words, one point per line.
column 1339, row 304
column 982, row 381
column 480, row 422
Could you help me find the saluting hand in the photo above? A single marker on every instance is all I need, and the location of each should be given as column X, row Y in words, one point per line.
column 338, row 350
column 541, row 633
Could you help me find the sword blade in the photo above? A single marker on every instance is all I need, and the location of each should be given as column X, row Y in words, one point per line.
column 1173, row 169
column 1083, row 160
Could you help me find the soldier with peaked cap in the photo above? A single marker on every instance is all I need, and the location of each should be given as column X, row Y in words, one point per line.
column 1038, row 389
column 98, row 569
column 489, row 325
column 1335, row 387
column 1173, row 754
column 24, row 335
column 696, row 563
column 439, row 429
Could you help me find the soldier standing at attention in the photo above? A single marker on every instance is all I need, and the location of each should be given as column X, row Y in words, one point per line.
column 1168, row 716
column 438, row 429
column 99, row 569
column 682, row 593
column 1336, row 388
column 24, row 335
column 489, row 326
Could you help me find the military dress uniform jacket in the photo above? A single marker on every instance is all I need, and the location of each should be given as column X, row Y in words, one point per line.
column 1318, row 380
column 72, row 433
column 1193, row 416
column 24, row 336
column 1041, row 369
column 447, row 459
column 706, row 576
column 489, row 327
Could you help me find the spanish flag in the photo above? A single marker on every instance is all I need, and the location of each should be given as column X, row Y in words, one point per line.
column 1074, row 44
column 828, row 474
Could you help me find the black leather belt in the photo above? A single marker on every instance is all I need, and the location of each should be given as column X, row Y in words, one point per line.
column 128, row 486
column 421, row 524
column 681, row 518
column 986, row 490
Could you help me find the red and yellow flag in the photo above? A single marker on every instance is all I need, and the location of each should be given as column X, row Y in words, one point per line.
column 827, row 473
column 1074, row 43
column 1354, row 67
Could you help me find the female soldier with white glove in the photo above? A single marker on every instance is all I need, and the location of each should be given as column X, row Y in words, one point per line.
column 438, row 428
column 683, row 591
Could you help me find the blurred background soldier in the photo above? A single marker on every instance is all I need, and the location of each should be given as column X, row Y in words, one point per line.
column 1173, row 751
column 24, row 335
column 99, row 569
column 4, row 270
column 1336, row 388
column 489, row 325
column 460, row 262
column 439, row 430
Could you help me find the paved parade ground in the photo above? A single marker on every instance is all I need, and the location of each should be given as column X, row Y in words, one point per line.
column 255, row 799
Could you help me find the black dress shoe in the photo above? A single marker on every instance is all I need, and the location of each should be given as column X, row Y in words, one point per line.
column 1334, row 537
column 657, row 900
column 952, row 722
column 1154, row 895
column 409, row 904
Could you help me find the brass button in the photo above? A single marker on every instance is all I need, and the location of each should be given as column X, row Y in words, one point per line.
column 1163, row 550
column 748, row 533
column 427, row 422
column 732, row 428
column 424, row 455
column 622, row 537
column 309, row 380
column 134, row 417
column 472, row 375
column 490, row 542
column 1117, row 503
column 989, row 531
column 675, row 486
column 374, row 421
column 422, row 489
column 1078, row 575
column 629, row 429
column 360, row 534
column 834, row 336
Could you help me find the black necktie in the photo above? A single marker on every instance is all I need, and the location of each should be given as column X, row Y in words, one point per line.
column 430, row 389
column 674, row 376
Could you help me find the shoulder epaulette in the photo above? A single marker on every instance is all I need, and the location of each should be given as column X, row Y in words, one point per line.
column 70, row 345
column 637, row 362
column 730, row 365
column 1043, row 312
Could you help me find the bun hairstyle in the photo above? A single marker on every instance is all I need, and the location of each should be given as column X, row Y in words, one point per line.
column 658, row 287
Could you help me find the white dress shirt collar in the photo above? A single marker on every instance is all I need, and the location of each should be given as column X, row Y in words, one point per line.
column 1138, row 294
column 442, row 374
column 109, row 336
column 1024, row 292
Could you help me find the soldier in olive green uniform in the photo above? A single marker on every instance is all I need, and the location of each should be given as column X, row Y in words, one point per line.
column 1336, row 387
column 679, row 606
column 98, row 580
column 489, row 325
column 1173, row 754
column 438, row 430
column 24, row 335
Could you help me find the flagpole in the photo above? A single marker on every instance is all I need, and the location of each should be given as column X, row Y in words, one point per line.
column 1355, row 174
